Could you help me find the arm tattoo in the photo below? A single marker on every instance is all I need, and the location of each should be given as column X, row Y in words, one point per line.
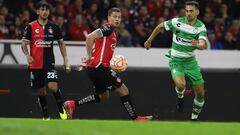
column 24, row 47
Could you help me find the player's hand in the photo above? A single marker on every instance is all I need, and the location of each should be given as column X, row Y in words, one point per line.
column 80, row 67
column 147, row 44
column 194, row 43
column 85, row 60
column 30, row 59
column 67, row 68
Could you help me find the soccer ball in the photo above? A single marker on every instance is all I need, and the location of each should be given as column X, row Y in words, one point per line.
column 118, row 63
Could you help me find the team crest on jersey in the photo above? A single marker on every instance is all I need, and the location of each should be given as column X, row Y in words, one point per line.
column 50, row 30
column 37, row 31
column 195, row 30
column 118, row 80
column 113, row 46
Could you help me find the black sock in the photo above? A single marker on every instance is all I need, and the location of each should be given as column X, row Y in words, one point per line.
column 126, row 101
column 43, row 105
column 58, row 98
column 89, row 99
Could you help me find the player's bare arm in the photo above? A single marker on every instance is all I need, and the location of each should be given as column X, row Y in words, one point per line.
column 24, row 47
column 63, row 51
column 200, row 44
column 158, row 29
column 90, row 41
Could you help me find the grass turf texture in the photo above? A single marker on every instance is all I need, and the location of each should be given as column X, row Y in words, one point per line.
column 16, row 126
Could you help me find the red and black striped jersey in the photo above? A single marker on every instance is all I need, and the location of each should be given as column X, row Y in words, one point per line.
column 41, row 43
column 103, row 47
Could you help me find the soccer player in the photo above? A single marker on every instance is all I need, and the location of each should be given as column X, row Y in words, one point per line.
column 189, row 34
column 40, row 35
column 100, row 45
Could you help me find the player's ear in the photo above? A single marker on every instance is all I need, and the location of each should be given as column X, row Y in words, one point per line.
column 109, row 18
column 38, row 12
column 197, row 11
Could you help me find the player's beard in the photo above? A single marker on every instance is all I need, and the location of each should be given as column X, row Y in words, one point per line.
column 117, row 24
column 44, row 17
column 190, row 18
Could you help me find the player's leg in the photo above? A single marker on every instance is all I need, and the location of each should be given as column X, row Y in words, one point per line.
column 198, row 100
column 71, row 105
column 38, row 83
column 42, row 100
column 92, row 98
column 178, row 76
column 180, row 85
column 52, row 83
column 101, row 93
column 195, row 79
column 123, row 92
column 99, row 82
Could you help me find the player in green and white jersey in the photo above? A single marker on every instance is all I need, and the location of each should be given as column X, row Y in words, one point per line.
column 189, row 34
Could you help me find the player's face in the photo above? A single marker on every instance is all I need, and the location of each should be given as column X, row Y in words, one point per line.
column 191, row 12
column 43, row 13
column 115, row 19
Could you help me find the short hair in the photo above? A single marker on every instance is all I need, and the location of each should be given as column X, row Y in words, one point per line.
column 43, row 4
column 114, row 9
column 192, row 3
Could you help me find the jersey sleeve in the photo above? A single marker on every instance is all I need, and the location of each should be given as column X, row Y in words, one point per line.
column 203, row 33
column 58, row 33
column 106, row 30
column 27, row 33
column 168, row 25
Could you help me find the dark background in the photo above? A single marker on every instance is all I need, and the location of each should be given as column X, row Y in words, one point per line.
column 151, row 89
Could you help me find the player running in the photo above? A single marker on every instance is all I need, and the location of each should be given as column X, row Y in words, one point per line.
column 189, row 34
column 100, row 45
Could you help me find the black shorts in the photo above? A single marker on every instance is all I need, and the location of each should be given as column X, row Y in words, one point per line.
column 104, row 78
column 40, row 77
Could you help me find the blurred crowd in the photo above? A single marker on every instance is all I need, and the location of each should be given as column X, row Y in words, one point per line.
column 77, row 18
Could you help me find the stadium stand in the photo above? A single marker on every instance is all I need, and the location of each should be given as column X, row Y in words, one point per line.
column 139, row 19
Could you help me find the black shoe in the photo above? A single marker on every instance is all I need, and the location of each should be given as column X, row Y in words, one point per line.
column 180, row 105
column 195, row 119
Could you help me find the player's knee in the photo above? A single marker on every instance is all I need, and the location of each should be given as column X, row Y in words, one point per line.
column 104, row 96
column 53, row 86
column 200, row 93
column 125, row 91
column 122, row 91
column 180, row 85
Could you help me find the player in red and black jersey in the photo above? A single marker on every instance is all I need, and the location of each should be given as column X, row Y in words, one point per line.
column 100, row 45
column 40, row 35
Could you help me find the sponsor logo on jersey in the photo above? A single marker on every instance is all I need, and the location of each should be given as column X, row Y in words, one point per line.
column 113, row 46
column 182, row 40
column 50, row 30
column 42, row 43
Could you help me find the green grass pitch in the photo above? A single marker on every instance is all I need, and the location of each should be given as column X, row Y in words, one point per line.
column 20, row 126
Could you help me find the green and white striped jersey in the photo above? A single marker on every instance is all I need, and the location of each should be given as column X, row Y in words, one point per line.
column 183, row 35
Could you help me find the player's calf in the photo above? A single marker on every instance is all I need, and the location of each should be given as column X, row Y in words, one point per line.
column 197, row 108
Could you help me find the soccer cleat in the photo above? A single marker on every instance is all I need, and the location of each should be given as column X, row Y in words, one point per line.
column 69, row 107
column 46, row 119
column 143, row 118
column 63, row 115
column 180, row 105
column 195, row 119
